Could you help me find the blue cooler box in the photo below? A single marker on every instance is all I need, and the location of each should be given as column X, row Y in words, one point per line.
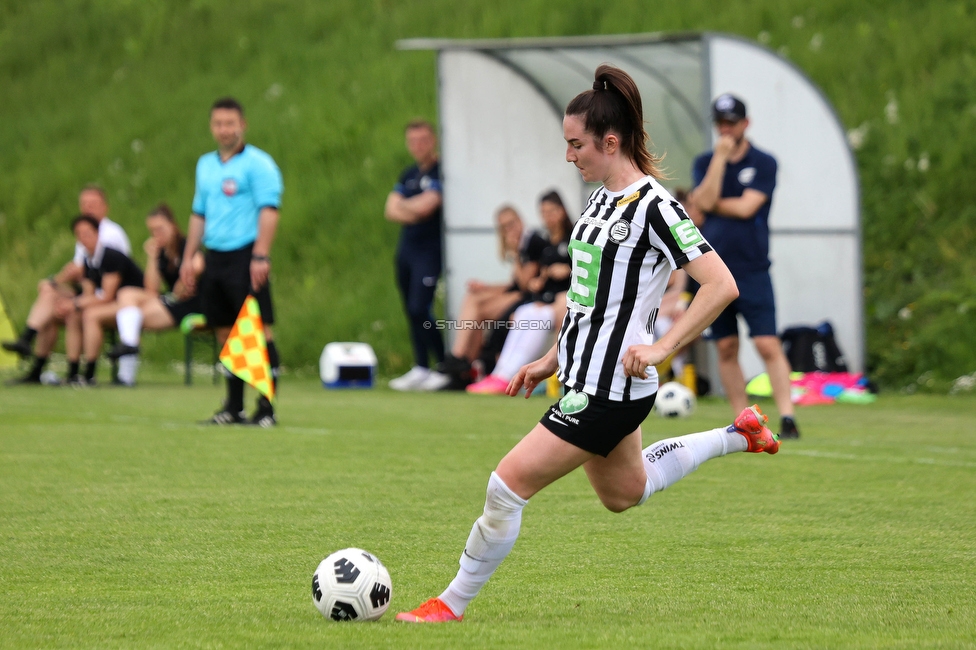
column 347, row 365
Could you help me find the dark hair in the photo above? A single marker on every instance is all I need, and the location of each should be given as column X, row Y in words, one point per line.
column 614, row 104
column 419, row 123
column 681, row 194
column 163, row 210
column 552, row 196
column 84, row 218
column 98, row 189
column 229, row 103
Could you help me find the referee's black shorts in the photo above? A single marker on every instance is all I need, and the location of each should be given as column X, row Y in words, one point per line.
column 226, row 282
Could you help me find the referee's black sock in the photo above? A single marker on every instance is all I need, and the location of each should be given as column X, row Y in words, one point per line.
column 235, row 394
column 90, row 370
column 73, row 367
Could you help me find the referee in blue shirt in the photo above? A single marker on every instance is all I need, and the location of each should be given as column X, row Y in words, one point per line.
column 235, row 216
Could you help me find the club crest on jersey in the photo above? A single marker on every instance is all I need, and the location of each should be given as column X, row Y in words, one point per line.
column 630, row 198
column 573, row 402
column 229, row 187
column 619, row 232
column 426, row 183
column 747, row 175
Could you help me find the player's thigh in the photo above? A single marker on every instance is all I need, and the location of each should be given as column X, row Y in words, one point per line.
column 539, row 459
column 156, row 316
column 132, row 297
column 500, row 304
column 619, row 479
column 101, row 315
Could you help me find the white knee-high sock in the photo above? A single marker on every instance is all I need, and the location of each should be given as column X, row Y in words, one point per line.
column 524, row 346
column 129, row 320
column 492, row 538
column 668, row 461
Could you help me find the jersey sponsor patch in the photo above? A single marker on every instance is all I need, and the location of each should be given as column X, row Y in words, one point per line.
column 573, row 402
column 586, row 260
column 630, row 198
column 619, row 232
column 686, row 234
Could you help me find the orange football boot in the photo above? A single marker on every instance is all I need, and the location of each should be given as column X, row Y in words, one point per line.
column 751, row 423
column 433, row 611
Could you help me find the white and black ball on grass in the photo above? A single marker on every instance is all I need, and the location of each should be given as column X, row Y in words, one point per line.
column 674, row 400
column 351, row 585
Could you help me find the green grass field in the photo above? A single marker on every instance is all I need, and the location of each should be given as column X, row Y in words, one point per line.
column 125, row 524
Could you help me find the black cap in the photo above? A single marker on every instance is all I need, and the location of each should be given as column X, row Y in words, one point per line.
column 728, row 107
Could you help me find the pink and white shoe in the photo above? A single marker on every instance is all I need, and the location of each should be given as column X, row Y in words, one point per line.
column 490, row 385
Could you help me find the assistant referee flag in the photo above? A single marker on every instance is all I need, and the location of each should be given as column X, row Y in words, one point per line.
column 246, row 351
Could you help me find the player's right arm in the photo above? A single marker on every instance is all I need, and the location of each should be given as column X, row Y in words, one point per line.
column 402, row 210
column 706, row 196
column 70, row 273
column 151, row 280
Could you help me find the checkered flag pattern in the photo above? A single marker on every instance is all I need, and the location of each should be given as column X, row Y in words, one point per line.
column 246, row 352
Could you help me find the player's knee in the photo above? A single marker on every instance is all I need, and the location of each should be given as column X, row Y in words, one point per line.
column 727, row 348
column 618, row 503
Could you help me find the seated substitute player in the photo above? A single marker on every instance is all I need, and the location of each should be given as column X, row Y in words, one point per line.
column 491, row 302
column 545, row 304
column 145, row 308
column 92, row 201
column 106, row 271
column 631, row 235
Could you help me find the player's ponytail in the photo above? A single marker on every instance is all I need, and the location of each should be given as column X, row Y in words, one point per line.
column 614, row 104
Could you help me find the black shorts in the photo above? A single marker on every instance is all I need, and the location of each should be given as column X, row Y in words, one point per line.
column 182, row 309
column 226, row 283
column 756, row 304
column 595, row 424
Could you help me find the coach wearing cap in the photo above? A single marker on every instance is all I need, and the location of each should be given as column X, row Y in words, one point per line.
column 734, row 188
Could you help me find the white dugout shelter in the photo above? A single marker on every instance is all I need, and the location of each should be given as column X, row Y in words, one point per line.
column 501, row 105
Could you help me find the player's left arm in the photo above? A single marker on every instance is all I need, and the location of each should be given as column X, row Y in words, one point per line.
column 415, row 209
column 88, row 297
column 742, row 207
column 718, row 289
column 261, row 253
column 268, row 187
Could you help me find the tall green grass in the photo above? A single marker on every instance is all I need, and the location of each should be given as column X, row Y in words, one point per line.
column 117, row 92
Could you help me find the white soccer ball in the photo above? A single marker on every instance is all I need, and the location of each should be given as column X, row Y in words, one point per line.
column 674, row 400
column 351, row 585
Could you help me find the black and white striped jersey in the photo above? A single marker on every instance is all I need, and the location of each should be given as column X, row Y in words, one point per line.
column 623, row 249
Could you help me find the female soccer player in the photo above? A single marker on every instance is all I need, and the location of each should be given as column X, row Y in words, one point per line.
column 631, row 235
column 144, row 308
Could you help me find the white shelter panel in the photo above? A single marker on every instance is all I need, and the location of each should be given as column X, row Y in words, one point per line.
column 502, row 143
column 813, row 282
column 816, row 186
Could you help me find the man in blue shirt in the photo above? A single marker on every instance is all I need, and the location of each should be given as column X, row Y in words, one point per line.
column 415, row 203
column 235, row 216
column 734, row 188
